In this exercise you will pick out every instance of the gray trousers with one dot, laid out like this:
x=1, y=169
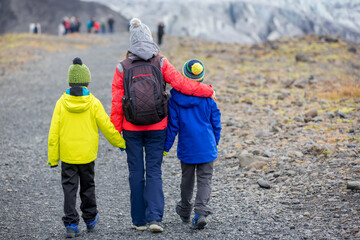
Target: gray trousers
x=203, y=173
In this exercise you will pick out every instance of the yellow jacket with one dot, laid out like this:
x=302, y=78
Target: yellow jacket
x=74, y=135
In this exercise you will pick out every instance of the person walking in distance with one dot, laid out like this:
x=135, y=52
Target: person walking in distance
x=160, y=32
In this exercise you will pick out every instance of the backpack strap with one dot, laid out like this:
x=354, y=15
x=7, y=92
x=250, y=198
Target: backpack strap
x=156, y=61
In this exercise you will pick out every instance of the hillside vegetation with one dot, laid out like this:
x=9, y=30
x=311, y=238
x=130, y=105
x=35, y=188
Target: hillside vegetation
x=309, y=81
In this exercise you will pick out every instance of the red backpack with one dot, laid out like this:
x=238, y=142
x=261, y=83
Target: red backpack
x=145, y=99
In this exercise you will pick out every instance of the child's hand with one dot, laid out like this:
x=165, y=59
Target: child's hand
x=213, y=97
x=165, y=153
x=52, y=166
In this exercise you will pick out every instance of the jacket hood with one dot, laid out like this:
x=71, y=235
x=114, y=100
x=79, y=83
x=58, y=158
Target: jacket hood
x=77, y=104
x=185, y=101
x=144, y=49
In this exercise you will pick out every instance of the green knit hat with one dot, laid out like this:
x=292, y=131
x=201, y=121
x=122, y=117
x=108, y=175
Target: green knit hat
x=78, y=72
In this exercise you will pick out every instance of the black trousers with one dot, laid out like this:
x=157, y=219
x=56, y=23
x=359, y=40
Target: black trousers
x=70, y=176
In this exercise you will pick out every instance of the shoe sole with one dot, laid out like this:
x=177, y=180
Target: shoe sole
x=156, y=228
x=183, y=219
x=92, y=228
x=200, y=225
x=139, y=228
x=71, y=235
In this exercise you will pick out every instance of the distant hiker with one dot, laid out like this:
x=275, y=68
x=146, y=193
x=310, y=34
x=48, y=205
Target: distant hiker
x=77, y=25
x=111, y=22
x=73, y=24
x=67, y=25
x=89, y=25
x=141, y=115
x=103, y=26
x=96, y=27
x=74, y=139
x=35, y=28
x=61, y=29
x=160, y=32
x=198, y=123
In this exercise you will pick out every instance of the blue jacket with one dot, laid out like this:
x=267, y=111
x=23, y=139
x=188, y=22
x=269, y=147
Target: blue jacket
x=198, y=122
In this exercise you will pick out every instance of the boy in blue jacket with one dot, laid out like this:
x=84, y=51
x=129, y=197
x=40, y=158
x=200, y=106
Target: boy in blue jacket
x=198, y=122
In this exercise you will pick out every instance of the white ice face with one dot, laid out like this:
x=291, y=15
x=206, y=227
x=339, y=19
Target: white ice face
x=246, y=21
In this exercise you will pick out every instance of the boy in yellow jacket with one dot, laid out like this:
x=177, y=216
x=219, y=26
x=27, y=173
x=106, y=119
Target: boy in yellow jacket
x=74, y=138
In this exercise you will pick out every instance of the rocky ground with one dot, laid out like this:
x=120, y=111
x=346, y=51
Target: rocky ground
x=288, y=155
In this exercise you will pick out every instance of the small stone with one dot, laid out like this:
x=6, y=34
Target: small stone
x=9, y=190
x=259, y=134
x=300, y=57
x=291, y=173
x=230, y=155
x=298, y=154
x=354, y=185
x=312, y=113
x=306, y=214
x=264, y=184
x=267, y=154
x=341, y=114
x=257, y=165
x=352, y=49
x=296, y=201
x=248, y=102
x=276, y=175
x=244, y=152
x=351, y=145
x=256, y=152
x=246, y=159
x=230, y=122
x=281, y=179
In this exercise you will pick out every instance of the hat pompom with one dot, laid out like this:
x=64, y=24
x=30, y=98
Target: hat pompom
x=77, y=61
x=197, y=68
x=135, y=22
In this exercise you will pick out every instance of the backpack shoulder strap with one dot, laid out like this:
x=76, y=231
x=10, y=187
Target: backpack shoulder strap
x=126, y=63
x=156, y=61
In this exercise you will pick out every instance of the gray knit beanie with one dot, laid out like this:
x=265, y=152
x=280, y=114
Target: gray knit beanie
x=139, y=31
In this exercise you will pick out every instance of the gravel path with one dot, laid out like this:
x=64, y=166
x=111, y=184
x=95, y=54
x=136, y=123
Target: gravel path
x=305, y=204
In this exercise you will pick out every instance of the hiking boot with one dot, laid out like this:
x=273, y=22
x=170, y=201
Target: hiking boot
x=72, y=231
x=198, y=222
x=184, y=219
x=155, y=227
x=91, y=225
x=139, y=228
